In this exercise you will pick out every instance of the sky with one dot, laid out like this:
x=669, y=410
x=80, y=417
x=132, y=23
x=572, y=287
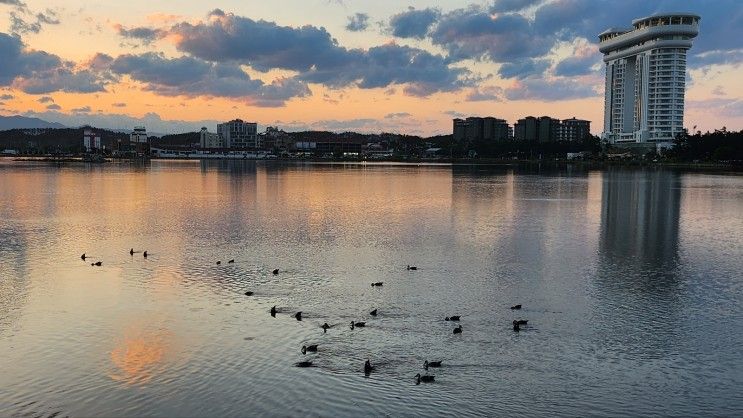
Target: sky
x=362, y=65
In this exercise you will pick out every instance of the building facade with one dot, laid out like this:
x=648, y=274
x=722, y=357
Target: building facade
x=239, y=134
x=477, y=129
x=646, y=78
x=574, y=129
x=209, y=140
x=91, y=140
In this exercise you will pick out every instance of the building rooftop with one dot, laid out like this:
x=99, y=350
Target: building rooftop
x=672, y=14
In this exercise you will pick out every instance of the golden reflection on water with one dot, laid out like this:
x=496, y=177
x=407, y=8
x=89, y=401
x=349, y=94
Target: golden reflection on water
x=141, y=354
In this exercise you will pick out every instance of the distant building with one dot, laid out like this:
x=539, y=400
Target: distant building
x=546, y=129
x=526, y=129
x=646, y=78
x=138, y=139
x=477, y=128
x=275, y=138
x=91, y=140
x=239, y=134
x=460, y=129
x=209, y=140
x=574, y=129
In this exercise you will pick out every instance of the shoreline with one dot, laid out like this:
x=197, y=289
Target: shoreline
x=447, y=161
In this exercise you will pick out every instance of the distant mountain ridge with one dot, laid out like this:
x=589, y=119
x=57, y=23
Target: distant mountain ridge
x=22, y=122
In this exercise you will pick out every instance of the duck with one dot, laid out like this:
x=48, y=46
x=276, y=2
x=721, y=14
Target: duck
x=516, y=326
x=325, y=327
x=97, y=263
x=83, y=257
x=131, y=252
x=249, y=293
x=514, y=307
x=144, y=254
x=311, y=348
x=219, y=262
x=273, y=311
x=275, y=271
x=303, y=364
x=523, y=321
x=425, y=379
x=412, y=267
x=457, y=330
x=357, y=324
x=428, y=364
x=373, y=313
x=231, y=261
x=298, y=315
x=368, y=367
x=452, y=318
x=377, y=284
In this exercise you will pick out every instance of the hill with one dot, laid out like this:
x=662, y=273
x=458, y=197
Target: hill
x=22, y=122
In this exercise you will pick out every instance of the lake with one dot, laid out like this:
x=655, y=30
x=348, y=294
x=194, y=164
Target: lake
x=631, y=281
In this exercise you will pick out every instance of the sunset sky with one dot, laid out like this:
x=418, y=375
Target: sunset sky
x=363, y=65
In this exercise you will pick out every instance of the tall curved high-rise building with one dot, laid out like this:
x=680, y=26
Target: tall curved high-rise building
x=646, y=78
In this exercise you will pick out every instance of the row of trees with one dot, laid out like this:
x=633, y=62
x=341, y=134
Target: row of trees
x=718, y=146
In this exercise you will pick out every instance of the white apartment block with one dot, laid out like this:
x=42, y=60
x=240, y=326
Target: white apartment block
x=646, y=78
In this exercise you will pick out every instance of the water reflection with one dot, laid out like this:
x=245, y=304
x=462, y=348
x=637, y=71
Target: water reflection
x=640, y=216
x=141, y=354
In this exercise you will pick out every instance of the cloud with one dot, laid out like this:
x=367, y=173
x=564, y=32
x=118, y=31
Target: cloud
x=46, y=99
x=506, y=6
x=13, y=3
x=523, y=68
x=53, y=106
x=397, y=115
x=38, y=72
x=189, y=76
x=732, y=108
x=549, y=90
x=358, y=22
x=6, y=97
x=118, y=104
x=84, y=109
x=487, y=93
x=413, y=23
x=715, y=57
x=315, y=55
x=475, y=34
x=20, y=24
x=454, y=113
x=144, y=34
x=575, y=66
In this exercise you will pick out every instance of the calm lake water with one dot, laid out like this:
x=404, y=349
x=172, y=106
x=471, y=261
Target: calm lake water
x=632, y=282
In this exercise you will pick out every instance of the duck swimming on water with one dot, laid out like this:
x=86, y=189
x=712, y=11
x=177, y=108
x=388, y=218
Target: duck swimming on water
x=428, y=364
x=516, y=326
x=452, y=318
x=425, y=379
x=412, y=267
x=275, y=271
x=83, y=257
x=298, y=315
x=303, y=364
x=516, y=307
x=273, y=311
x=144, y=254
x=311, y=348
x=231, y=261
x=368, y=367
x=249, y=293
x=457, y=330
x=97, y=263
x=357, y=324
x=373, y=313
x=377, y=284
x=131, y=252
x=325, y=327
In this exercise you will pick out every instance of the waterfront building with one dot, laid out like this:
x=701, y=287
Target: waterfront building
x=477, y=128
x=239, y=134
x=209, y=140
x=138, y=139
x=91, y=140
x=526, y=129
x=460, y=129
x=574, y=129
x=646, y=78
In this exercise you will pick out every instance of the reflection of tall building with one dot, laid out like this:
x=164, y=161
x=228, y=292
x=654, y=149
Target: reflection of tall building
x=640, y=215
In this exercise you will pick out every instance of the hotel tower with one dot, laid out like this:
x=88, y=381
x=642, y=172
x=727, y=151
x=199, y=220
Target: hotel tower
x=646, y=77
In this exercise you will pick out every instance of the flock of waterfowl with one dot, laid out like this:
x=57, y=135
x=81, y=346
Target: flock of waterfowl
x=368, y=368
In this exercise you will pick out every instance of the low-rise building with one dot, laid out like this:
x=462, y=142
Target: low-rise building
x=239, y=134
x=208, y=140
